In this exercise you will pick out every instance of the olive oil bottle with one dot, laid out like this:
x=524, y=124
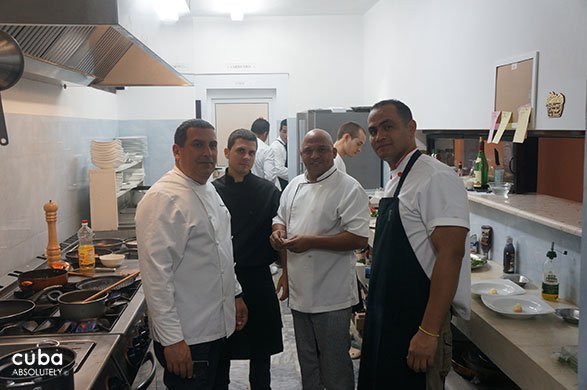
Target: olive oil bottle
x=550, y=279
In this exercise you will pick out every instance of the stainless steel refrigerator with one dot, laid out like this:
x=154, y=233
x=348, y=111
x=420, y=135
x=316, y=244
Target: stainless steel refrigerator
x=366, y=167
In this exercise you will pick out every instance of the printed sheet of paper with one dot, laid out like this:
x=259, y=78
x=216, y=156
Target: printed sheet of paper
x=523, y=120
x=494, y=117
x=505, y=119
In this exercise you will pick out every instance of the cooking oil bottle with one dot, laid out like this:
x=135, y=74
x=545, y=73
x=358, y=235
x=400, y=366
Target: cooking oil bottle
x=86, y=252
x=550, y=280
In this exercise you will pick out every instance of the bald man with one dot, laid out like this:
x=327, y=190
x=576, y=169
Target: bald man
x=322, y=218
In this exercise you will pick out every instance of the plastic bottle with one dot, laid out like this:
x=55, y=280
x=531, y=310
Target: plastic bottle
x=481, y=168
x=86, y=252
x=550, y=281
x=509, y=256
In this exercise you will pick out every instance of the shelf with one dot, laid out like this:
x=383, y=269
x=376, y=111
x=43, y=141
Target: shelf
x=128, y=165
x=133, y=184
x=560, y=214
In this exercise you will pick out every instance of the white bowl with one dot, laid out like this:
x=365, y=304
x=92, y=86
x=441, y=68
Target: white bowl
x=112, y=260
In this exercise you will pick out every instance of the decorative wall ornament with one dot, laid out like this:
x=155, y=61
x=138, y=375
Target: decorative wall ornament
x=555, y=104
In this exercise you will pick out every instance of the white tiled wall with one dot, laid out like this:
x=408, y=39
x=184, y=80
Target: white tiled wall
x=532, y=241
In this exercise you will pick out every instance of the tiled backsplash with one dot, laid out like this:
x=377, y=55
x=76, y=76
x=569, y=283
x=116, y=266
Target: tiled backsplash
x=48, y=159
x=532, y=241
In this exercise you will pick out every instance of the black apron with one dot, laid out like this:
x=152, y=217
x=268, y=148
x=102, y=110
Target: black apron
x=398, y=294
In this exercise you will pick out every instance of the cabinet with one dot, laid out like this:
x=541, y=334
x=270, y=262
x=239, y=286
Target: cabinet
x=108, y=188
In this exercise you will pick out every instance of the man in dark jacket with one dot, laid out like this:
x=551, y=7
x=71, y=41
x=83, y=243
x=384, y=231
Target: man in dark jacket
x=252, y=202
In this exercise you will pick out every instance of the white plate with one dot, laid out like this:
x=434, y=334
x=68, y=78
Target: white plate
x=502, y=287
x=531, y=305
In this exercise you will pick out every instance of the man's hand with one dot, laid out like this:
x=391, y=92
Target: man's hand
x=283, y=286
x=277, y=238
x=242, y=313
x=179, y=359
x=421, y=352
x=298, y=244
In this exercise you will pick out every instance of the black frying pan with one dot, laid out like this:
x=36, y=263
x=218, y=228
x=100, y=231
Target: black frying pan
x=11, y=68
x=14, y=309
x=101, y=282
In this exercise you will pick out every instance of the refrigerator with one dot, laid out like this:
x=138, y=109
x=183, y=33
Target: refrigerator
x=366, y=167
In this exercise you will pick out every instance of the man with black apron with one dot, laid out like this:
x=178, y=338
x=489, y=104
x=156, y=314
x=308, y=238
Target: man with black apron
x=419, y=267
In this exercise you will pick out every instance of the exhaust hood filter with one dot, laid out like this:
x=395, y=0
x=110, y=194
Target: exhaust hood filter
x=85, y=43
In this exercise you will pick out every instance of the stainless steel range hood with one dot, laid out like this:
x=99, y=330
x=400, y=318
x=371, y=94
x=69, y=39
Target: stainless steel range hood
x=89, y=42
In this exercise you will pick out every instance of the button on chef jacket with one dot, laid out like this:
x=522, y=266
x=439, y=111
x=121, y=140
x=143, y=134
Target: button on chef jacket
x=186, y=261
x=323, y=280
x=433, y=195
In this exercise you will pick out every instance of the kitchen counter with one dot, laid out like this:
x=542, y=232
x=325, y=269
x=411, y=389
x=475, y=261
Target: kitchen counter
x=522, y=349
x=557, y=213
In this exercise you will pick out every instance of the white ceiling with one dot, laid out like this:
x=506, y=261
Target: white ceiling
x=281, y=7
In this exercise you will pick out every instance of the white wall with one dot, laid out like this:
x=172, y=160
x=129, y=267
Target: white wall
x=321, y=54
x=440, y=56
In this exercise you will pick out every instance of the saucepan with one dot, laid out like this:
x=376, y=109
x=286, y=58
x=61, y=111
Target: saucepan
x=11, y=68
x=72, y=308
x=14, y=309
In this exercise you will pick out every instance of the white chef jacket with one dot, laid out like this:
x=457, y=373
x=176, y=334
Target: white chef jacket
x=264, y=166
x=323, y=280
x=280, y=153
x=186, y=261
x=433, y=195
x=339, y=163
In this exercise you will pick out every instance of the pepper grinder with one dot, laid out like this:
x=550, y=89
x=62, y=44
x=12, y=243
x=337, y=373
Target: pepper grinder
x=53, y=251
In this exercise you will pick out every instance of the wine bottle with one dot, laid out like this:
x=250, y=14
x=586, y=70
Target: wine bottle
x=481, y=168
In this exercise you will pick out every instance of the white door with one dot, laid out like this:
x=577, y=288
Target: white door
x=229, y=116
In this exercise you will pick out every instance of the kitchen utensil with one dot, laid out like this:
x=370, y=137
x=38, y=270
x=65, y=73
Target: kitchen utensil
x=518, y=279
x=502, y=189
x=53, y=250
x=496, y=155
x=38, y=375
x=131, y=243
x=568, y=314
x=126, y=278
x=72, y=305
x=113, y=260
x=13, y=309
x=101, y=282
x=497, y=287
x=530, y=305
x=11, y=69
x=40, y=278
x=112, y=244
x=73, y=254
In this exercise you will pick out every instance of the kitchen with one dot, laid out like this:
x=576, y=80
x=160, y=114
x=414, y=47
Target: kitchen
x=448, y=52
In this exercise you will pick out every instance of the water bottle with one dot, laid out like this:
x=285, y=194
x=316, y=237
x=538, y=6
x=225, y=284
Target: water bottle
x=86, y=253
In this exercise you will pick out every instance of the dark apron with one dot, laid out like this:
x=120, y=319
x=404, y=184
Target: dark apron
x=398, y=294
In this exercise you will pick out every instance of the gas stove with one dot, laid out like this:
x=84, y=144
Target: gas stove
x=110, y=349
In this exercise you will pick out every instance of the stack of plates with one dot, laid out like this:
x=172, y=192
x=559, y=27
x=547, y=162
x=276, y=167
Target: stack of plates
x=135, y=145
x=107, y=154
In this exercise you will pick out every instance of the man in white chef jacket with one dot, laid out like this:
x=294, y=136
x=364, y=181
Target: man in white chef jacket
x=350, y=139
x=279, y=147
x=264, y=166
x=186, y=263
x=322, y=218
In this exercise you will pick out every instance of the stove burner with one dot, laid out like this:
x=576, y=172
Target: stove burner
x=45, y=318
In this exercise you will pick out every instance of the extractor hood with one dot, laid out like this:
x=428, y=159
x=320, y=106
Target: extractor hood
x=89, y=42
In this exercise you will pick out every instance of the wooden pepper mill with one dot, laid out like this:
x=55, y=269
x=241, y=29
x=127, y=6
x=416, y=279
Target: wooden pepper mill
x=53, y=250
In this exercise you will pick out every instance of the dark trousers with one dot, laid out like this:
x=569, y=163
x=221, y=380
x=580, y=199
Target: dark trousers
x=205, y=357
x=259, y=373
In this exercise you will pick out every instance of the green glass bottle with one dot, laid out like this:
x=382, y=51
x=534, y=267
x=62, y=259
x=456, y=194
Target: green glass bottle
x=481, y=168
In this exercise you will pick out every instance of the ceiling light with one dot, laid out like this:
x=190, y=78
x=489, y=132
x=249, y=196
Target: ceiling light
x=171, y=10
x=237, y=15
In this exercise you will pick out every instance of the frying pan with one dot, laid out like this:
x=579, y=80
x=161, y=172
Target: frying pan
x=38, y=279
x=101, y=282
x=11, y=68
x=112, y=244
x=73, y=255
x=13, y=309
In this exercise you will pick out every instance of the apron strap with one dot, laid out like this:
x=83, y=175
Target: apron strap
x=413, y=159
